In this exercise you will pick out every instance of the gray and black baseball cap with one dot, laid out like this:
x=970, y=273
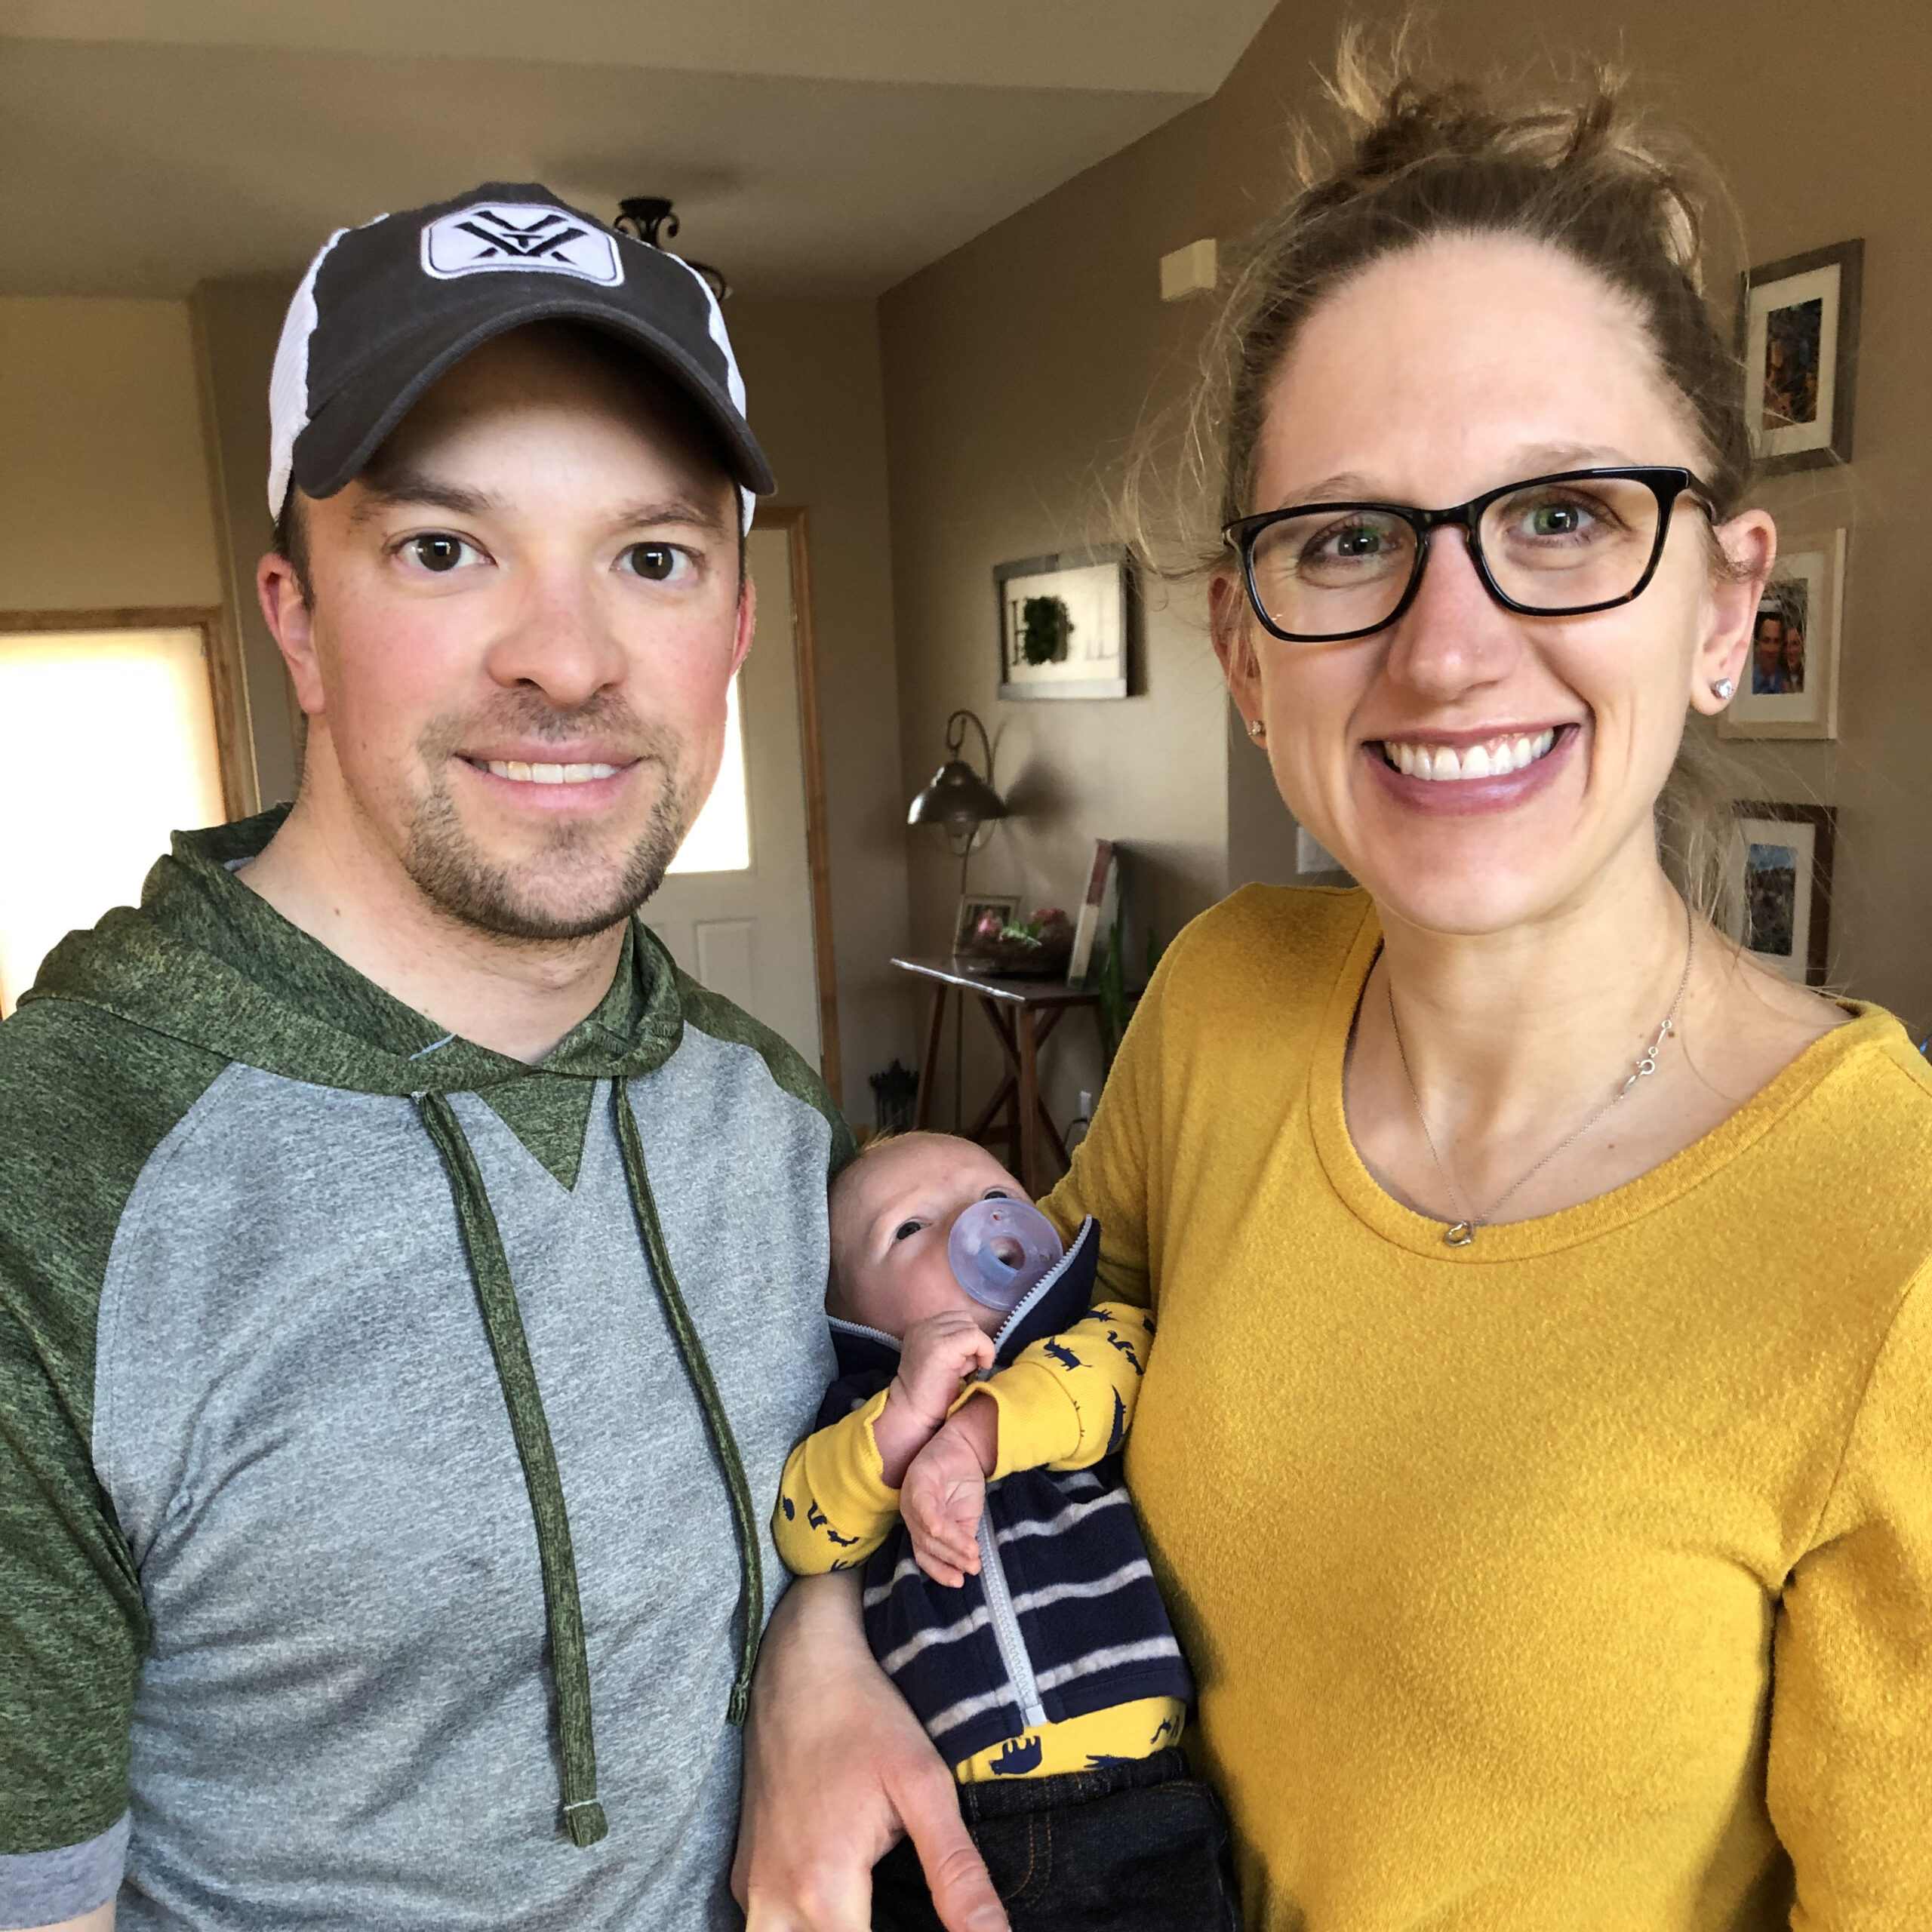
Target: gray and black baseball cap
x=387, y=308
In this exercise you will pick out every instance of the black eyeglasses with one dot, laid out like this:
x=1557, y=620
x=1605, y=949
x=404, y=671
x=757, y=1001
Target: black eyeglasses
x=1552, y=546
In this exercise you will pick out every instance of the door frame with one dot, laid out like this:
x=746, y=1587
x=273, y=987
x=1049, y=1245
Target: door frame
x=234, y=745
x=793, y=519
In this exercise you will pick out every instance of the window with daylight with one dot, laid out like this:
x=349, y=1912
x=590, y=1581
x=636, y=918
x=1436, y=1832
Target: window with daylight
x=721, y=841
x=108, y=743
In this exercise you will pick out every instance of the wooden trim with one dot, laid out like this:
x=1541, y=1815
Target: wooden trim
x=818, y=848
x=227, y=692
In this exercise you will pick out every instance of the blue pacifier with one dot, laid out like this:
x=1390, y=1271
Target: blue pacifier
x=1001, y=1251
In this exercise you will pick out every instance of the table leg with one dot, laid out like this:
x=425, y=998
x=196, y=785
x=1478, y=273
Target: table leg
x=1029, y=1101
x=922, y=1108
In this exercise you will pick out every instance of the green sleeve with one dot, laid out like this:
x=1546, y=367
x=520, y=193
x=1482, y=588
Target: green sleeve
x=85, y=1099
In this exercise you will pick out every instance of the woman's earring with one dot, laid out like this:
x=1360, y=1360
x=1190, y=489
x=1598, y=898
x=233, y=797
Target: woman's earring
x=1722, y=690
x=1257, y=729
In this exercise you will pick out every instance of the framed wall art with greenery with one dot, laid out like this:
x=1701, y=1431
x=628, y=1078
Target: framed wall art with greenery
x=1065, y=624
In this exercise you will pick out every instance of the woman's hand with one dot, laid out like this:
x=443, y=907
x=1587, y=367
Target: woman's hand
x=836, y=1769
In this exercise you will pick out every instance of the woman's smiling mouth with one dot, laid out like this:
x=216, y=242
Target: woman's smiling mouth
x=1495, y=758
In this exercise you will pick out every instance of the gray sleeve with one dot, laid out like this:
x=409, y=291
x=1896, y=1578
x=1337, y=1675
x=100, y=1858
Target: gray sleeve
x=44, y=1888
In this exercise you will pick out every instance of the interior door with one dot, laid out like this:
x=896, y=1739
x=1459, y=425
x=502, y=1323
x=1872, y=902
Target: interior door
x=737, y=908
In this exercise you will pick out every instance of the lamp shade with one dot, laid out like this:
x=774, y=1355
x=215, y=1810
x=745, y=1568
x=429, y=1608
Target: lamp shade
x=958, y=798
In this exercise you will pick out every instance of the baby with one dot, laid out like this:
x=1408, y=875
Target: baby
x=1007, y=1590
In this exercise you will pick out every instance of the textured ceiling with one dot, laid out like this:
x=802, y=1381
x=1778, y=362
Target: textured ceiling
x=828, y=148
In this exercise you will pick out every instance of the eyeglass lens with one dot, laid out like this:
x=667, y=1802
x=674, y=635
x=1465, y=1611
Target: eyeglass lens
x=1550, y=547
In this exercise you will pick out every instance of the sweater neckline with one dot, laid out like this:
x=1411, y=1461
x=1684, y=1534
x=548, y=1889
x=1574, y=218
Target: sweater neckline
x=1569, y=1227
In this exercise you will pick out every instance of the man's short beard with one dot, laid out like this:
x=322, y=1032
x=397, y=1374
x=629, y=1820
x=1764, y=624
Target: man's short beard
x=443, y=860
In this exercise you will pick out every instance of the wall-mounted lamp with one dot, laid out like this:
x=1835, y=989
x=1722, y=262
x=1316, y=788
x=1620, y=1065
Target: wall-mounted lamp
x=959, y=800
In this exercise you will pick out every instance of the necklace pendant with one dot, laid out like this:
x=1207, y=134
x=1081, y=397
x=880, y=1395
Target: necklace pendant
x=1460, y=1236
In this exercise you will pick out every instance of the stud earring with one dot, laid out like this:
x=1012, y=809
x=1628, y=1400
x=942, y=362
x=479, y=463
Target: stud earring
x=1257, y=729
x=1722, y=690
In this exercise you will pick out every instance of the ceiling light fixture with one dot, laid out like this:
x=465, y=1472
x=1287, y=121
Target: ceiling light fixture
x=649, y=218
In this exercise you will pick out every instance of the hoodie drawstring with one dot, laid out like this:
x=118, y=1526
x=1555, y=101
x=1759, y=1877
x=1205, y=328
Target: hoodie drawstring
x=503, y=1322
x=496, y=1295
x=751, y=1565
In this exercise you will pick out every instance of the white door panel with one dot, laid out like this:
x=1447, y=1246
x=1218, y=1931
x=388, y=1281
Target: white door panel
x=746, y=931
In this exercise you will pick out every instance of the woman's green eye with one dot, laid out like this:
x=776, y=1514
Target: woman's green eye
x=1560, y=520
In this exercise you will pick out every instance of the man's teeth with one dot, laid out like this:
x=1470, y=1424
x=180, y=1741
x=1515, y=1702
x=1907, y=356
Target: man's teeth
x=1497, y=759
x=515, y=770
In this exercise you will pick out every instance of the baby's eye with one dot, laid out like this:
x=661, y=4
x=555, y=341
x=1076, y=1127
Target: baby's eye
x=996, y=1194
x=906, y=1230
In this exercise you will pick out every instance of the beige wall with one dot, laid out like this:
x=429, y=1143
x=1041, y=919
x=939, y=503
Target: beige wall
x=237, y=324
x=1018, y=366
x=812, y=381
x=103, y=494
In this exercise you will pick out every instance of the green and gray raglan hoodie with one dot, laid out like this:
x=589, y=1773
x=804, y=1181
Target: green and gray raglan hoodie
x=387, y=1432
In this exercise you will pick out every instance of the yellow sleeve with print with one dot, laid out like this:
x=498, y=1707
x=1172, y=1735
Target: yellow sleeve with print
x=834, y=1508
x=1068, y=1399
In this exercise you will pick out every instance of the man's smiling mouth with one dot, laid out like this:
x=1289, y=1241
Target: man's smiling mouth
x=518, y=773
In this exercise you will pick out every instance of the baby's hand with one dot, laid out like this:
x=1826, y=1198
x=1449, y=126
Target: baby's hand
x=936, y=1355
x=944, y=1492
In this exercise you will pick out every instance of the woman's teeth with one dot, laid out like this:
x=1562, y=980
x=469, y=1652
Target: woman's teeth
x=1497, y=759
x=518, y=773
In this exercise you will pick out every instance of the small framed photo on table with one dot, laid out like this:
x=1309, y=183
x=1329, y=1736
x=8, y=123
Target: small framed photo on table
x=1790, y=685
x=974, y=910
x=1783, y=854
x=1064, y=624
x=1798, y=323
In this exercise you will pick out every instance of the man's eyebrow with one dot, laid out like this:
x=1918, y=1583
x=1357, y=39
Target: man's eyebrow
x=673, y=509
x=409, y=486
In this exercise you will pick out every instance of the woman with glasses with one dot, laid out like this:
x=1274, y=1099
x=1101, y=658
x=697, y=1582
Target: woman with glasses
x=1536, y=1446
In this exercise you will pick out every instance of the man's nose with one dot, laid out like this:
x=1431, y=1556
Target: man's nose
x=559, y=641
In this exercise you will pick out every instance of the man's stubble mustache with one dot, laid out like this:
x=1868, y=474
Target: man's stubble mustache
x=443, y=860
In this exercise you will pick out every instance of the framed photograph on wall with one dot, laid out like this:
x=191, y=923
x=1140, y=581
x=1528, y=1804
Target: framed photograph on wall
x=1790, y=685
x=1783, y=855
x=1064, y=624
x=975, y=908
x=1798, y=329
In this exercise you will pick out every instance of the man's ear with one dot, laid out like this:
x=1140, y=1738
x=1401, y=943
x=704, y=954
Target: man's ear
x=747, y=618
x=285, y=609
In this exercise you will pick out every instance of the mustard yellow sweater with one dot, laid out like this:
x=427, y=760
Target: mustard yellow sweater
x=1579, y=1579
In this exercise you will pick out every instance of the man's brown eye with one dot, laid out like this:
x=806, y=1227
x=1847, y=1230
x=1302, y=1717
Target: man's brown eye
x=656, y=561
x=438, y=553
x=906, y=1229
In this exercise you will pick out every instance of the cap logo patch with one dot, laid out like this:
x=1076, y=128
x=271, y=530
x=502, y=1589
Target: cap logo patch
x=490, y=235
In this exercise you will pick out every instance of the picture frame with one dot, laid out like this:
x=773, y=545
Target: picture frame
x=1797, y=333
x=1094, y=923
x=974, y=907
x=1066, y=623
x=1789, y=685
x=1783, y=858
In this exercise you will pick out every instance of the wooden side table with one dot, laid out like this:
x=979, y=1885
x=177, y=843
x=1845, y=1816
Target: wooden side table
x=1023, y=1013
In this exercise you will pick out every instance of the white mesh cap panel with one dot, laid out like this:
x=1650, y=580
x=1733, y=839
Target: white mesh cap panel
x=734, y=381
x=288, y=382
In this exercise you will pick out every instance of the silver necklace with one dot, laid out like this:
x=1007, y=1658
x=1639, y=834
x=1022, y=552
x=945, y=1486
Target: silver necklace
x=1460, y=1233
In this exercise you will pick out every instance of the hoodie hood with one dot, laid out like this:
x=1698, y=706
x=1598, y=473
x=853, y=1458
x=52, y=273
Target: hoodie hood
x=205, y=960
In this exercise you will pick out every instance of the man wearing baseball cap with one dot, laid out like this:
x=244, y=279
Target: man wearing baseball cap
x=410, y=1283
